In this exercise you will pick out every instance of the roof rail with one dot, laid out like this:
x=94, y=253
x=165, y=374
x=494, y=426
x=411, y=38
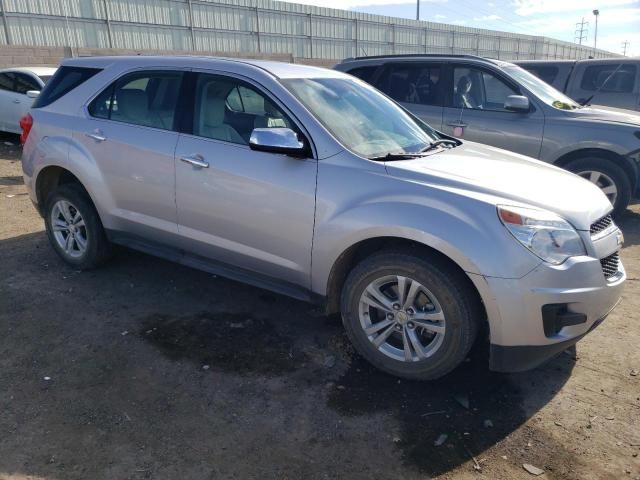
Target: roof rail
x=418, y=55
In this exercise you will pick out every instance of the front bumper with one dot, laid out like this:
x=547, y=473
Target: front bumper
x=518, y=337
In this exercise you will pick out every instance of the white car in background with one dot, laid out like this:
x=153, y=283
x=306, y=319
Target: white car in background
x=19, y=86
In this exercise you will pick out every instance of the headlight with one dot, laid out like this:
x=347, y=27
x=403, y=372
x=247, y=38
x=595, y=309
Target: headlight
x=546, y=234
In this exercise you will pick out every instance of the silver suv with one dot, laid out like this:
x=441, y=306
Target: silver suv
x=500, y=104
x=311, y=183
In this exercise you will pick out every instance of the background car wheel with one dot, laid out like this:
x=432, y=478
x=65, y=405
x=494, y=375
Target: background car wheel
x=608, y=176
x=74, y=228
x=411, y=317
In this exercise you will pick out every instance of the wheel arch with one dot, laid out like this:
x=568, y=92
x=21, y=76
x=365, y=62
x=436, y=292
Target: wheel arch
x=627, y=165
x=49, y=178
x=357, y=252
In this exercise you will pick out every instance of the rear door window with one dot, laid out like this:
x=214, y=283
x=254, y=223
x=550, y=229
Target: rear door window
x=147, y=98
x=610, y=78
x=415, y=83
x=25, y=82
x=364, y=73
x=6, y=82
x=65, y=80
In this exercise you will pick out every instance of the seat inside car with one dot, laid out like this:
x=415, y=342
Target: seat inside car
x=212, y=116
x=133, y=106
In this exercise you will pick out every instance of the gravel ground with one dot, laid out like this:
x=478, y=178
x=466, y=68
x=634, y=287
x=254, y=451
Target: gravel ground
x=149, y=370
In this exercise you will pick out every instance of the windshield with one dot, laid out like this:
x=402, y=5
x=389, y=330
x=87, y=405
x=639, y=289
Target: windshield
x=542, y=90
x=361, y=118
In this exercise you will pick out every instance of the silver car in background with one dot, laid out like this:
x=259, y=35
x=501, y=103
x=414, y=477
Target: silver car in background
x=500, y=104
x=311, y=183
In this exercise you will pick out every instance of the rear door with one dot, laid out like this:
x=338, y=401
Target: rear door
x=239, y=207
x=475, y=111
x=418, y=86
x=611, y=84
x=129, y=132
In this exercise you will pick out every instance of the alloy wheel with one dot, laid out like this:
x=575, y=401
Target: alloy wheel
x=603, y=181
x=402, y=318
x=69, y=229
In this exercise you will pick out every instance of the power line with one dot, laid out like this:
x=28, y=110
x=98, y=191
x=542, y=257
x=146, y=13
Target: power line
x=581, y=32
x=625, y=44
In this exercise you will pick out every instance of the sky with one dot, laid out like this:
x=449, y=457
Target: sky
x=619, y=20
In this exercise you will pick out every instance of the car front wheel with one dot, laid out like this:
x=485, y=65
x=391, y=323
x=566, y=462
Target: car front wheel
x=412, y=317
x=606, y=175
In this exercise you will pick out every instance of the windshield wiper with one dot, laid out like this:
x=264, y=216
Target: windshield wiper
x=396, y=156
x=440, y=141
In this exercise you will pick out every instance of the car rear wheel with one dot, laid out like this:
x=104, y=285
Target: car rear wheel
x=74, y=228
x=410, y=317
x=606, y=175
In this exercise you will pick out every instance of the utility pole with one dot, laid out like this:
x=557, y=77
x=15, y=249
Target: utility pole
x=625, y=44
x=417, y=9
x=582, y=30
x=595, y=36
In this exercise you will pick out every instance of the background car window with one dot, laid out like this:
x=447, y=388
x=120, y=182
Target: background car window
x=146, y=98
x=228, y=110
x=364, y=73
x=24, y=83
x=480, y=90
x=609, y=78
x=6, y=82
x=412, y=83
x=545, y=73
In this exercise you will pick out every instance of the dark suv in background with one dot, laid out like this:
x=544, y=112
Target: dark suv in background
x=500, y=104
x=614, y=82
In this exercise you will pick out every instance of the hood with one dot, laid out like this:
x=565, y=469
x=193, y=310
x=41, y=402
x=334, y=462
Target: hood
x=607, y=114
x=510, y=178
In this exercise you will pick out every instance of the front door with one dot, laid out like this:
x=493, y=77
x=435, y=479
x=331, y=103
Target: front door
x=239, y=207
x=130, y=135
x=476, y=112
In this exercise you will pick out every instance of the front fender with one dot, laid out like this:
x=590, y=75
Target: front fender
x=465, y=229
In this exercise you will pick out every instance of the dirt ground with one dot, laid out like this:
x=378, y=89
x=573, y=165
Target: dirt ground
x=149, y=370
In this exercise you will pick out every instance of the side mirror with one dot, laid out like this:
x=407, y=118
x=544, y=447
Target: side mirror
x=33, y=93
x=277, y=140
x=517, y=103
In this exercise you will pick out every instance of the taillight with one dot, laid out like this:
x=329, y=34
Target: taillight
x=26, y=122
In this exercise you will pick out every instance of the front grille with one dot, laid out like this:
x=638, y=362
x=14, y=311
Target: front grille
x=602, y=224
x=610, y=265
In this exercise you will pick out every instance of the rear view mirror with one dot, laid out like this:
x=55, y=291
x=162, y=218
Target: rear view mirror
x=33, y=93
x=277, y=140
x=517, y=103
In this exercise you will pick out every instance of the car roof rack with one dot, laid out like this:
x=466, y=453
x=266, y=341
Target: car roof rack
x=420, y=55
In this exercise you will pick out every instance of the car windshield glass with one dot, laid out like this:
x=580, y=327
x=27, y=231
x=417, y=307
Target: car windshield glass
x=540, y=89
x=361, y=118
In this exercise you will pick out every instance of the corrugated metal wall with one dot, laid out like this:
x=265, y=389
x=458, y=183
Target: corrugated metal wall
x=263, y=26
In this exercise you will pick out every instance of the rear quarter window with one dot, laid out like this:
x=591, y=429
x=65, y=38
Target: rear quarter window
x=64, y=81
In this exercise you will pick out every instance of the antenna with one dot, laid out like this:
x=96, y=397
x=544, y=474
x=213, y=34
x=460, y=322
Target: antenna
x=625, y=44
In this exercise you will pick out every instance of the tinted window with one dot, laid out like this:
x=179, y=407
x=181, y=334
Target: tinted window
x=547, y=73
x=45, y=78
x=479, y=89
x=24, y=83
x=609, y=78
x=412, y=83
x=364, y=73
x=6, y=81
x=144, y=98
x=64, y=80
x=228, y=110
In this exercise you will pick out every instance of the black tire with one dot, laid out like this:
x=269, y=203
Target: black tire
x=460, y=304
x=611, y=170
x=98, y=248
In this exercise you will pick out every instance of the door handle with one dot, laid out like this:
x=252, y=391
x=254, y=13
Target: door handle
x=195, y=160
x=15, y=100
x=96, y=136
x=457, y=124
